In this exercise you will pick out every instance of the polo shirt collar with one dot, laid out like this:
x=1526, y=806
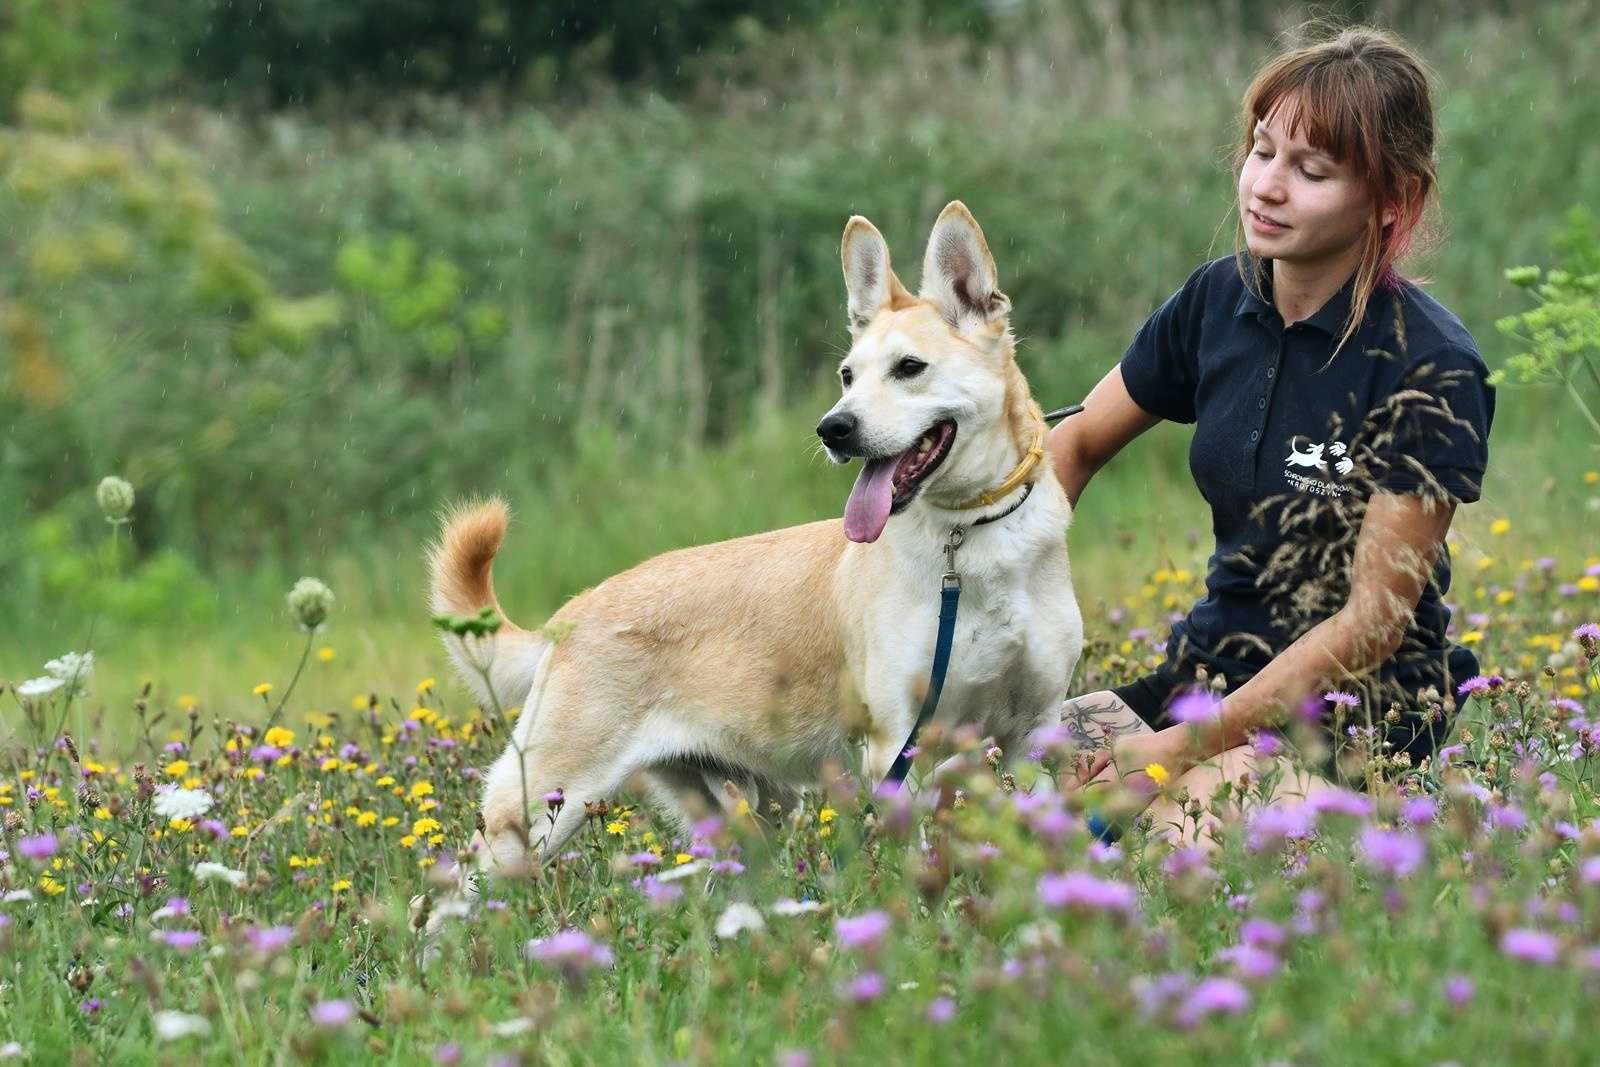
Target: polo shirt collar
x=1329, y=318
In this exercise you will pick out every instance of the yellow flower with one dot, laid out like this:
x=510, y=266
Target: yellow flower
x=407, y=841
x=436, y=839
x=239, y=831
x=341, y=885
x=387, y=779
x=1158, y=774
x=825, y=815
x=177, y=768
x=93, y=767
x=279, y=737
x=1589, y=584
x=427, y=805
x=359, y=702
x=1591, y=477
x=681, y=858
x=325, y=654
x=366, y=818
x=744, y=807
x=51, y=886
x=187, y=701
x=425, y=686
x=391, y=820
x=424, y=826
x=1500, y=526
x=617, y=827
x=331, y=763
x=1471, y=637
x=181, y=825
x=1485, y=562
x=102, y=813
x=262, y=690
x=1504, y=596
x=421, y=789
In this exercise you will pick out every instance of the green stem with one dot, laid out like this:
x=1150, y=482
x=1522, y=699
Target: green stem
x=1577, y=398
x=305, y=654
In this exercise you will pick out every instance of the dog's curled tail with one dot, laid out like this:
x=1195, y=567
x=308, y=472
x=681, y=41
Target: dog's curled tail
x=460, y=582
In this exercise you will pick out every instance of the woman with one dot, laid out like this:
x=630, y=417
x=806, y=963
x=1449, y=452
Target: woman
x=1340, y=416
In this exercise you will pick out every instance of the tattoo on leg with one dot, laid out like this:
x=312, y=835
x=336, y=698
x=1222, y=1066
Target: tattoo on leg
x=1096, y=720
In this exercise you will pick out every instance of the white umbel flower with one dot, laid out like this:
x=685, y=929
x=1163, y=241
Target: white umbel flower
x=39, y=687
x=177, y=1025
x=682, y=870
x=795, y=907
x=71, y=667
x=737, y=918
x=207, y=871
x=182, y=803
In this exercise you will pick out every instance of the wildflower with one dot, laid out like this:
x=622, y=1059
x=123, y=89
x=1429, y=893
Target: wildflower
x=115, y=498
x=177, y=1025
x=1588, y=633
x=279, y=737
x=177, y=768
x=787, y=906
x=1395, y=852
x=1196, y=706
x=864, y=931
x=940, y=1011
x=39, y=687
x=1213, y=996
x=866, y=987
x=688, y=867
x=421, y=789
x=178, y=803
x=424, y=826
x=1158, y=774
x=179, y=940
x=341, y=885
x=645, y=859
x=261, y=690
x=172, y=909
x=737, y=918
x=1459, y=989
x=1341, y=802
x=1479, y=683
x=1251, y=961
x=37, y=848
x=1530, y=946
x=269, y=940
x=425, y=686
x=309, y=602
x=1343, y=699
x=206, y=871
x=1078, y=889
x=73, y=668
x=1280, y=822
x=333, y=1014
x=1500, y=527
x=1418, y=810
x=571, y=950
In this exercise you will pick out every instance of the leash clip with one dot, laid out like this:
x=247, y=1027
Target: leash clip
x=951, y=579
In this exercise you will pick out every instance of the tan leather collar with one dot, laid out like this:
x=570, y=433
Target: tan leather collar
x=1018, y=475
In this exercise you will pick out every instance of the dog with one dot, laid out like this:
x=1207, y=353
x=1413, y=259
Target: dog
x=743, y=667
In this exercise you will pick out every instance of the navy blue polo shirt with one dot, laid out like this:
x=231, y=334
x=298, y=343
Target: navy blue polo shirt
x=1292, y=438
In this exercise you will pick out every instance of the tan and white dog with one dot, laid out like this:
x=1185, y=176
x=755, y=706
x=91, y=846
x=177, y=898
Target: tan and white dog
x=757, y=660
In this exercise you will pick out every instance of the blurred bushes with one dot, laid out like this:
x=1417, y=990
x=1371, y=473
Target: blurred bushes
x=297, y=338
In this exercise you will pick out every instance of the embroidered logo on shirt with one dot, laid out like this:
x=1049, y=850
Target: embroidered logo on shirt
x=1326, y=457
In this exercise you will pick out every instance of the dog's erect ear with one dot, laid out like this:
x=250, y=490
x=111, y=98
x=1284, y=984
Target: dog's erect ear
x=869, y=282
x=958, y=275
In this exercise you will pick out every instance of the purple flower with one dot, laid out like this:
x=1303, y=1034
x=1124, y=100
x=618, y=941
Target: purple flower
x=449, y=1054
x=180, y=940
x=555, y=798
x=940, y=1011
x=91, y=1006
x=1266, y=744
x=1262, y=933
x=1184, y=861
x=1507, y=817
x=1459, y=989
x=265, y=753
x=37, y=848
x=660, y=893
x=269, y=940
x=727, y=867
x=1589, y=870
x=1213, y=996
x=862, y=931
x=1196, y=706
x=1280, y=822
x=1480, y=683
x=1418, y=810
x=1253, y=963
x=571, y=950
x=1395, y=852
x=1341, y=802
x=866, y=987
x=1589, y=631
x=1530, y=946
x=333, y=1014
x=1079, y=889
x=645, y=859
x=1343, y=699
x=794, y=1057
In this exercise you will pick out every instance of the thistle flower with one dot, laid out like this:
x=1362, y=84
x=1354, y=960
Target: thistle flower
x=1079, y=889
x=571, y=950
x=1531, y=946
x=864, y=932
x=1213, y=996
x=115, y=498
x=309, y=602
x=37, y=848
x=1394, y=852
x=1343, y=699
x=866, y=987
x=1196, y=706
x=333, y=1014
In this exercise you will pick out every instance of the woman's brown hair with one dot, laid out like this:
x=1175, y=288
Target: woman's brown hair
x=1365, y=98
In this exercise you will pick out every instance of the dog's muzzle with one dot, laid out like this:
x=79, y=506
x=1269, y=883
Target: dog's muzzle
x=838, y=431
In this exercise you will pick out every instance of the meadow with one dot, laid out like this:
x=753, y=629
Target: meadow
x=226, y=826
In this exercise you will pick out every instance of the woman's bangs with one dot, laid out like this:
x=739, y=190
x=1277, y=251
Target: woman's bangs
x=1319, y=105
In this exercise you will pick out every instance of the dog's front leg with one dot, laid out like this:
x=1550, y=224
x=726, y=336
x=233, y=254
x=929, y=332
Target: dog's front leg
x=886, y=740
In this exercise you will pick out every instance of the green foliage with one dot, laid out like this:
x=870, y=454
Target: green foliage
x=1562, y=333
x=100, y=580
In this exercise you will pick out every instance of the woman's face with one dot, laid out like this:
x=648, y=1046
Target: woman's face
x=1297, y=203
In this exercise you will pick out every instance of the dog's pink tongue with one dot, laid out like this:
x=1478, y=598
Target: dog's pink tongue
x=867, y=510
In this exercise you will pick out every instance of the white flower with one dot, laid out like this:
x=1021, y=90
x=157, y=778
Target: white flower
x=73, y=667
x=795, y=907
x=18, y=896
x=38, y=687
x=176, y=1025
x=737, y=918
x=11, y=1050
x=512, y=1027
x=207, y=871
x=178, y=803
x=683, y=870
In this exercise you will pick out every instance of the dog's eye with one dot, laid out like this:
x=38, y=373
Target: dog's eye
x=909, y=367
x=844, y=377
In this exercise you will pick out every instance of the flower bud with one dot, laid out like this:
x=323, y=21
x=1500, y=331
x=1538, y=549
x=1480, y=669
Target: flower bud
x=115, y=497
x=309, y=602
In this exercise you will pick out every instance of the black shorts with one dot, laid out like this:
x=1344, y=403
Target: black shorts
x=1151, y=695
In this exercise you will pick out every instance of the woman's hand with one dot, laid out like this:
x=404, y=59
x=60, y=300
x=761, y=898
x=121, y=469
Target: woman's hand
x=1133, y=763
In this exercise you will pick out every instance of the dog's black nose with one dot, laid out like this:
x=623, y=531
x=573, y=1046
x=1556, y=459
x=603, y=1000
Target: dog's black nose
x=837, y=430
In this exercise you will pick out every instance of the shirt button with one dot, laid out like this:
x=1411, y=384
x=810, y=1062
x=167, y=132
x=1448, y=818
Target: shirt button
x=1254, y=435
x=1271, y=371
x=1261, y=402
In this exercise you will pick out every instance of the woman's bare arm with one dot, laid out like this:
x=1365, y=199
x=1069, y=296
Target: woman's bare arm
x=1081, y=444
